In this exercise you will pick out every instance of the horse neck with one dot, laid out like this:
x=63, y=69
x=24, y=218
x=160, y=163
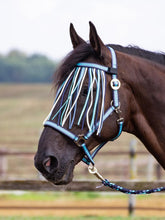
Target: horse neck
x=146, y=83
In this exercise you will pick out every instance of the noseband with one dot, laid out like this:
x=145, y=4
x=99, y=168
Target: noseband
x=80, y=140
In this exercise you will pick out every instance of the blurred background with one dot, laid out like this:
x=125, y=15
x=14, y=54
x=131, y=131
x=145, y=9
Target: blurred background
x=34, y=39
x=42, y=26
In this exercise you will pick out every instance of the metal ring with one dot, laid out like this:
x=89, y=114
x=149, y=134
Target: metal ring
x=80, y=141
x=116, y=108
x=115, y=84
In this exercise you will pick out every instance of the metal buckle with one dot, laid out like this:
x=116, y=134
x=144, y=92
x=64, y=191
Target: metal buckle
x=118, y=112
x=117, y=109
x=115, y=84
x=80, y=141
x=120, y=120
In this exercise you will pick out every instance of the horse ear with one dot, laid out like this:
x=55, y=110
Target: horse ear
x=75, y=38
x=95, y=40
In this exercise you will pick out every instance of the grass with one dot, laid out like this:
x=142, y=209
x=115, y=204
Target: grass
x=52, y=196
x=57, y=199
x=22, y=109
x=70, y=196
x=79, y=218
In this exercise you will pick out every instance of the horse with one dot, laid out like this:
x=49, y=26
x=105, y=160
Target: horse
x=101, y=91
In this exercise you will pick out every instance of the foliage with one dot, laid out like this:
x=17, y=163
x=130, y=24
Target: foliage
x=17, y=67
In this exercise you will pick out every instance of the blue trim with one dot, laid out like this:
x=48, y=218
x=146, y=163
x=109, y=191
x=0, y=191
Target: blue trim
x=110, y=70
x=114, y=60
x=87, y=153
x=87, y=99
x=108, y=113
x=119, y=132
x=61, y=129
x=93, y=65
x=86, y=161
x=97, y=149
x=115, y=95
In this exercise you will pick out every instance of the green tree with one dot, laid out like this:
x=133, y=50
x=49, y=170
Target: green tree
x=18, y=67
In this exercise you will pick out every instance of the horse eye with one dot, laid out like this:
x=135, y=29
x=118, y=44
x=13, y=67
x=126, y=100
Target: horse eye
x=85, y=91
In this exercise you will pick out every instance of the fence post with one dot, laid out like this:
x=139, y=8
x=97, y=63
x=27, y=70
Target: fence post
x=133, y=174
x=150, y=168
x=3, y=163
x=158, y=172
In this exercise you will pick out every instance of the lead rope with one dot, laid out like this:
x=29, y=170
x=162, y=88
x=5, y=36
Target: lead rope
x=105, y=182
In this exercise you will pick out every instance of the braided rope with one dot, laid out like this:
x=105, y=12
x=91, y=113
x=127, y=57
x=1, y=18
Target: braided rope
x=105, y=182
x=130, y=191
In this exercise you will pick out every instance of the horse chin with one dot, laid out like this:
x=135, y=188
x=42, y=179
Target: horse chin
x=65, y=177
x=64, y=181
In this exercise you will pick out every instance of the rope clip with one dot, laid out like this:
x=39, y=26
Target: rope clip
x=93, y=170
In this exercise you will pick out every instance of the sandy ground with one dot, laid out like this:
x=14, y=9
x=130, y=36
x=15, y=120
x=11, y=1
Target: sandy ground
x=95, y=207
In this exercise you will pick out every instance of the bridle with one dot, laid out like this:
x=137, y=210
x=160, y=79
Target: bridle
x=80, y=140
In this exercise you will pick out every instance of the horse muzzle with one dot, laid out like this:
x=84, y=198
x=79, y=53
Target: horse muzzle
x=54, y=171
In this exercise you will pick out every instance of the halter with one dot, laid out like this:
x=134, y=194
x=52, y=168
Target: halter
x=80, y=71
x=67, y=111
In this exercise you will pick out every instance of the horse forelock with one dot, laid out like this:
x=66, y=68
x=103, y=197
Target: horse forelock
x=80, y=53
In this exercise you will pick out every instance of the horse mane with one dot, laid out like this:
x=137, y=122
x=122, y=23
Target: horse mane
x=85, y=50
x=157, y=57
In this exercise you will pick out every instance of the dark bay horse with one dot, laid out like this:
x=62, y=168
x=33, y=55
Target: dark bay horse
x=84, y=94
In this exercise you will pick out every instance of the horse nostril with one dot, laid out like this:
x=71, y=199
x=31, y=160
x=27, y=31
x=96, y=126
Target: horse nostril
x=50, y=164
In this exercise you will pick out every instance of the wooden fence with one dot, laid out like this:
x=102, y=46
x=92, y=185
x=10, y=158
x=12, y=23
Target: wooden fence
x=90, y=186
x=76, y=186
x=131, y=166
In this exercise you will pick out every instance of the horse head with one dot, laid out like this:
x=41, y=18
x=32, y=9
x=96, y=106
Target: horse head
x=85, y=93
